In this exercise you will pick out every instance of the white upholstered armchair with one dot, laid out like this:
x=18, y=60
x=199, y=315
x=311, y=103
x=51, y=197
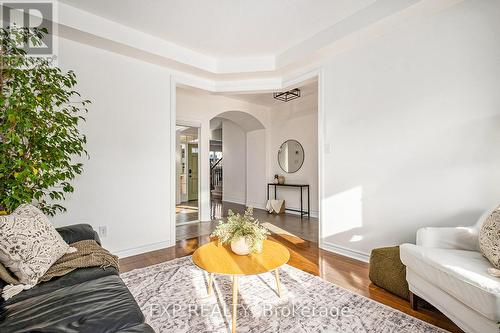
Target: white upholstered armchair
x=446, y=269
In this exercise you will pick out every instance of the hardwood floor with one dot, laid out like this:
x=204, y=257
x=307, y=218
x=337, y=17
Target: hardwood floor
x=305, y=228
x=186, y=212
x=300, y=237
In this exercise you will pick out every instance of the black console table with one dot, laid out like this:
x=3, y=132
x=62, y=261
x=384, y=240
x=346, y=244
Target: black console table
x=301, y=188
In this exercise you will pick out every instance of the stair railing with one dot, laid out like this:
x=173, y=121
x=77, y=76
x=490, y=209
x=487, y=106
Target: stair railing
x=216, y=174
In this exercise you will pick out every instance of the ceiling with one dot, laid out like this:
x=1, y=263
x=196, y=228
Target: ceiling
x=226, y=28
x=236, y=45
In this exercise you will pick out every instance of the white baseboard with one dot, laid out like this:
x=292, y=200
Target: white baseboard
x=143, y=249
x=238, y=201
x=256, y=205
x=354, y=254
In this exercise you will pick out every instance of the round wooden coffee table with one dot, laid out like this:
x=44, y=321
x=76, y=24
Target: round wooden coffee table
x=215, y=258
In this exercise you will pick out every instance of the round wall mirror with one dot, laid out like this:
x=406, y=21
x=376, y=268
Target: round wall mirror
x=291, y=156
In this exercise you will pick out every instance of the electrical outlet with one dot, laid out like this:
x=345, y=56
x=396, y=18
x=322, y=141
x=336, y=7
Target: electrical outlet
x=328, y=148
x=103, y=231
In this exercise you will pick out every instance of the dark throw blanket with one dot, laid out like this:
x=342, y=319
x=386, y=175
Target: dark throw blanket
x=88, y=254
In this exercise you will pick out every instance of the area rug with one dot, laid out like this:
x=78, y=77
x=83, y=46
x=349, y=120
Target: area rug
x=173, y=297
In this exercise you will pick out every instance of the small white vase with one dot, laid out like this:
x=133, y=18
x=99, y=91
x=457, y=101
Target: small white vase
x=240, y=246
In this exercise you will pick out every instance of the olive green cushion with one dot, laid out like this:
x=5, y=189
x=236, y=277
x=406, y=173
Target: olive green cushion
x=388, y=272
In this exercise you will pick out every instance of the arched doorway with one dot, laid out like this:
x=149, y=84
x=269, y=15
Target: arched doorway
x=237, y=160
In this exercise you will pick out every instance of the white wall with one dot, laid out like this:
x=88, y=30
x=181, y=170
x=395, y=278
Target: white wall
x=126, y=182
x=256, y=166
x=413, y=120
x=200, y=106
x=298, y=120
x=216, y=134
x=234, y=143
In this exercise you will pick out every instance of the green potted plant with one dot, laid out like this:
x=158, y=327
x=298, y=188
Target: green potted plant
x=243, y=232
x=40, y=137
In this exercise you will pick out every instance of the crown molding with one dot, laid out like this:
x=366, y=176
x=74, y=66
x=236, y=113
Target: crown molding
x=244, y=74
x=93, y=25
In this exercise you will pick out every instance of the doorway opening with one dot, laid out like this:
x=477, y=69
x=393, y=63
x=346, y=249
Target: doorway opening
x=187, y=175
x=241, y=135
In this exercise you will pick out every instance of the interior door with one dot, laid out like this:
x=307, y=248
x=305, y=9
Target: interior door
x=192, y=172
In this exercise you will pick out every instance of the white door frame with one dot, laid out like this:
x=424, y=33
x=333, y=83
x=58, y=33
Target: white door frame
x=173, y=150
x=293, y=80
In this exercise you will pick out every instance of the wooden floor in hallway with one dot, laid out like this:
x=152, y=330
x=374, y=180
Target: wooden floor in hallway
x=186, y=212
x=300, y=236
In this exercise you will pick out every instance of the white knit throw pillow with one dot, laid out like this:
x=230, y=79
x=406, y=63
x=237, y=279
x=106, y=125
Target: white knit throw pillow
x=29, y=245
x=489, y=238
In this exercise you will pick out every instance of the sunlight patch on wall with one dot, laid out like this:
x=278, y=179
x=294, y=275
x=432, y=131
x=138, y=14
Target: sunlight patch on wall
x=343, y=211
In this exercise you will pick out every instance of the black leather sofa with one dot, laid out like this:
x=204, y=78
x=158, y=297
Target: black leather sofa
x=92, y=300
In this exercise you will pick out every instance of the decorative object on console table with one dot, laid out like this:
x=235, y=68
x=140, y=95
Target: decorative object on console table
x=242, y=232
x=281, y=180
x=276, y=179
x=301, y=188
